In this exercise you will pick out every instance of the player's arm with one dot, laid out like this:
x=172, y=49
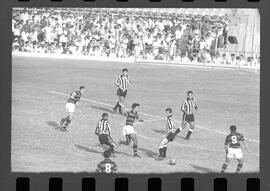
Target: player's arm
x=245, y=143
x=138, y=118
x=226, y=145
x=116, y=83
x=99, y=168
x=183, y=107
x=115, y=169
x=195, y=104
x=109, y=129
x=97, y=131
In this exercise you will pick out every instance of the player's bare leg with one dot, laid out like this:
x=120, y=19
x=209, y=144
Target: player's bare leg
x=239, y=166
x=225, y=165
x=117, y=105
x=121, y=104
x=126, y=142
x=190, y=131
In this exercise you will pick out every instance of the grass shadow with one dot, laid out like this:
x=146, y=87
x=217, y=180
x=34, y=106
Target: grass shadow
x=81, y=147
x=149, y=153
x=55, y=125
x=203, y=169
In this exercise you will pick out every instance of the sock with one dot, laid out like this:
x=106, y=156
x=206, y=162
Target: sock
x=135, y=149
x=160, y=152
x=189, y=133
x=178, y=130
x=67, y=122
x=117, y=105
x=164, y=152
x=239, y=166
x=224, y=167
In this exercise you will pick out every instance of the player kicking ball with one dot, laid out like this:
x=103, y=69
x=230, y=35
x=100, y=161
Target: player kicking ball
x=107, y=165
x=128, y=129
x=233, y=149
x=122, y=82
x=188, y=108
x=169, y=136
x=72, y=102
x=103, y=131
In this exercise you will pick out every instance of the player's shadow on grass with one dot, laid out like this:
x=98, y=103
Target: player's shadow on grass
x=203, y=169
x=163, y=132
x=54, y=124
x=149, y=153
x=102, y=109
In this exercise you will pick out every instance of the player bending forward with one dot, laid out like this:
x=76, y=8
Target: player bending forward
x=128, y=129
x=103, y=131
x=72, y=101
x=169, y=136
x=122, y=82
x=107, y=165
x=189, y=106
x=233, y=149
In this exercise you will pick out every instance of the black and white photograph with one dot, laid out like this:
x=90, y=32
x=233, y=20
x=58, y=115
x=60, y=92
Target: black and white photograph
x=135, y=90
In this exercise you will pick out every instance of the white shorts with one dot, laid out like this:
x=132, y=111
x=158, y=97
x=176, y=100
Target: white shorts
x=128, y=129
x=70, y=107
x=234, y=153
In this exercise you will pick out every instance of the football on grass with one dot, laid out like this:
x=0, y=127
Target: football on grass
x=172, y=161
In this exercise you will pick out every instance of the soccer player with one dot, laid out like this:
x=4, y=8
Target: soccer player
x=128, y=129
x=103, y=131
x=122, y=83
x=188, y=108
x=72, y=101
x=169, y=136
x=107, y=165
x=233, y=149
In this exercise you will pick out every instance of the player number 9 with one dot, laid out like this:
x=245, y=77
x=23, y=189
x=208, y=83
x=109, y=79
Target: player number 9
x=234, y=139
x=108, y=168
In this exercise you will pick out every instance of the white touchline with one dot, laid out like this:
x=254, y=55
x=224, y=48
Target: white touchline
x=154, y=116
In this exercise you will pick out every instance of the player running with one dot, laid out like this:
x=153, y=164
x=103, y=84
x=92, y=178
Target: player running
x=72, y=101
x=233, y=149
x=122, y=83
x=128, y=129
x=107, y=165
x=103, y=131
x=189, y=106
x=169, y=136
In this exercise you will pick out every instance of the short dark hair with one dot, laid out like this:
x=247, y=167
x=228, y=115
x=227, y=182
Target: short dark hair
x=82, y=87
x=104, y=115
x=233, y=128
x=169, y=109
x=106, y=154
x=135, y=105
x=189, y=92
x=125, y=70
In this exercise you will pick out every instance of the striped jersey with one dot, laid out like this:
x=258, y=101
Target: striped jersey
x=74, y=97
x=170, y=124
x=188, y=106
x=131, y=116
x=103, y=127
x=233, y=140
x=107, y=166
x=122, y=82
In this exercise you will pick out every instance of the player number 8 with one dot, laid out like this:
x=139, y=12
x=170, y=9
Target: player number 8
x=234, y=139
x=108, y=168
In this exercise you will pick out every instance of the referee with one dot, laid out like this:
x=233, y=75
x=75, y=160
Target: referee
x=188, y=108
x=122, y=83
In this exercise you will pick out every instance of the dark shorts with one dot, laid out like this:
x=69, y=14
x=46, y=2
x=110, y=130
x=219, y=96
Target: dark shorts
x=122, y=93
x=170, y=136
x=104, y=139
x=188, y=118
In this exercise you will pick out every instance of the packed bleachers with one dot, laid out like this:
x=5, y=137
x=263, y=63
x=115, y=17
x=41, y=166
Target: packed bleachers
x=150, y=34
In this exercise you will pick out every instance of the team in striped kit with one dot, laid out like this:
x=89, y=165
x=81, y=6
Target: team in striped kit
x=122, y=82
x=103, y=128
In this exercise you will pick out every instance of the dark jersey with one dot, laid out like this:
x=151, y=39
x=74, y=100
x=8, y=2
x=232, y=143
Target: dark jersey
x=131, y=116
x=233, y=140
x=103, y=127
x=107, y=166
x=74, y=97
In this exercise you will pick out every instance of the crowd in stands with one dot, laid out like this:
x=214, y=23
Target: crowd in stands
x=114, y=34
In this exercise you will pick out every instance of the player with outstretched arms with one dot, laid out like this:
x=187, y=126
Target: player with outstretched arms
x=233, y=149
x=128, y=129
x=169, y=136
x=103, y=131
x=107, y=165
x=122, y=82
x=188, y=108
x=72, y=102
